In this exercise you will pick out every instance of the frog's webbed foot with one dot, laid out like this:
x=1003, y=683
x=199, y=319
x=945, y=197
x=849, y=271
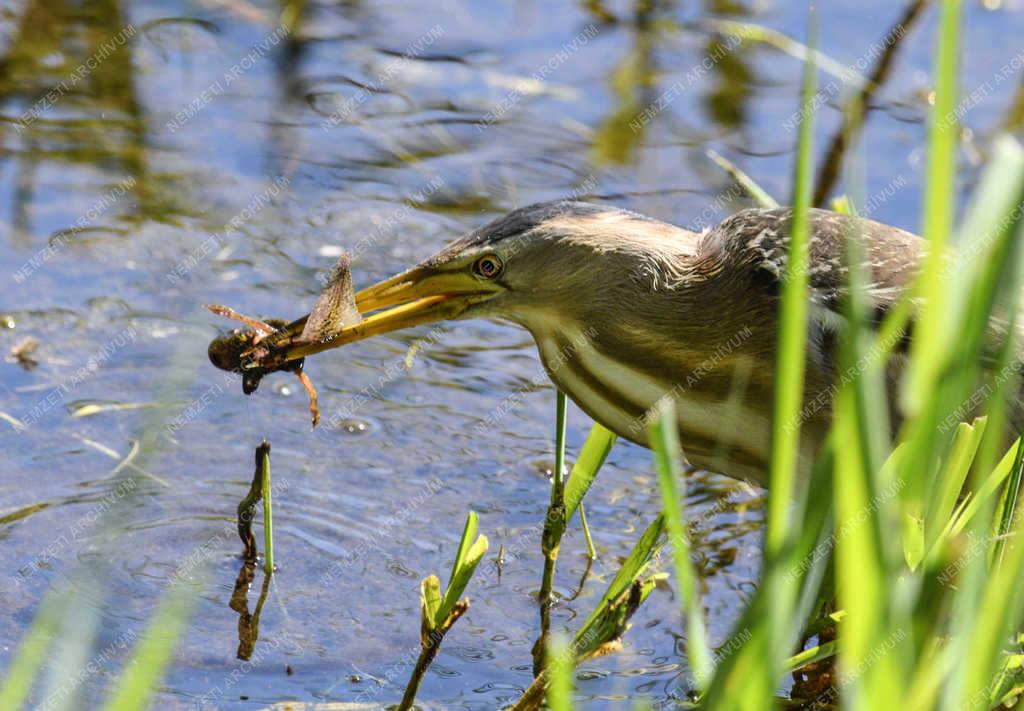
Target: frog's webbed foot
x=335, y=308
x=314, y=409
x=262, y=329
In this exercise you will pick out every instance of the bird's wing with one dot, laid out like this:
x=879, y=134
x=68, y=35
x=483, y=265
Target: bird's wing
x=335, y=308
x=757, y=241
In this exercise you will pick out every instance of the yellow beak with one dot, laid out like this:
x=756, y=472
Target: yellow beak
x=416, y=296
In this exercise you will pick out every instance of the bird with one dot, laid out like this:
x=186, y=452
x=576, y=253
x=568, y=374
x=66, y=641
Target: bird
x=626, y=309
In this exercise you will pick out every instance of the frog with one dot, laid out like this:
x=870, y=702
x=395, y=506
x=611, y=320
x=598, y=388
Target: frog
x=244, y=349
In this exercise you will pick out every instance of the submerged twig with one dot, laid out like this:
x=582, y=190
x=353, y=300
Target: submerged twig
x=551, y=538
x=853, y=111
x=583, y=580
x=591, y=552
x=126, y=462
x=263, y=466
x=259, y=489
x=755, y=191
x=430, y=643
x=437, y=613
x=13, y=421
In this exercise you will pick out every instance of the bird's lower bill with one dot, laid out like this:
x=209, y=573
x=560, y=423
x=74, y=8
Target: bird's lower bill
x=417, y=296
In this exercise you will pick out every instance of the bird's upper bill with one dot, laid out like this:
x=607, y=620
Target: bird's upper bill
x=422, y=294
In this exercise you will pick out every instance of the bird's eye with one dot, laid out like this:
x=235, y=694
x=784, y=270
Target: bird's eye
x=488, y=266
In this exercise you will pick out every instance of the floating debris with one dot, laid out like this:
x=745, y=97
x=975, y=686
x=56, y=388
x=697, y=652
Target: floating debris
x=95, y=408
x=23, y=352
x=13, y=421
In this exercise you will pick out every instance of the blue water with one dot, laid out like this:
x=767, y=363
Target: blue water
x=148, y=156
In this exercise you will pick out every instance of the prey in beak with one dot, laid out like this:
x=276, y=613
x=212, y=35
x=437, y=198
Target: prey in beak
x=423, y=294
x=334, y=310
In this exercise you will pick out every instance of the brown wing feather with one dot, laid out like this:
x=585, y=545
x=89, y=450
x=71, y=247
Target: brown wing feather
x=335, y=308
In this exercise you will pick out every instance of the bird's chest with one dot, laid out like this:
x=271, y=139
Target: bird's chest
x=722, y=414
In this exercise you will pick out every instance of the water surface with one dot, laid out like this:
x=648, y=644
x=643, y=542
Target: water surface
x=208, y=153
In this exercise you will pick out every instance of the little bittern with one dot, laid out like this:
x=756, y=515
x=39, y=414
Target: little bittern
x=626, y=309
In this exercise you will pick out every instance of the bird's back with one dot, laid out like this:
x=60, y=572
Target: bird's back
x=755, y=243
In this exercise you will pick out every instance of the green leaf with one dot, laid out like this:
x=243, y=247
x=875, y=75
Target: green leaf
x=951, y=479
x=468, y=534
x=560, y=667
x=1005, y=508
x=153, y=653
x=587, y=638
x=595, y=450
x=664, y=439
x=430, y=600
x=20, y=677
x=469, y=555
x=759, y=194
x=930, y=335
x=988, y=487
x=812, y=655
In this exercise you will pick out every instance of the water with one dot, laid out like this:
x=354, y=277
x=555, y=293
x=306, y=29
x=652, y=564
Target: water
x=205, y=155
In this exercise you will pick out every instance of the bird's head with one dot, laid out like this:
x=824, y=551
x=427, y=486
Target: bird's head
x=539, y=258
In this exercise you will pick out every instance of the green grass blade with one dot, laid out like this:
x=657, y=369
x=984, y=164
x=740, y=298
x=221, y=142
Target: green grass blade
x=743, y=678
x=21, y=676
x=755, y=191
x=783, y=591
x=862, y=574
x=466, y=560
x=73, y=649
x=561, y=666
x=792, y=343
x=634, y=566
x=951, y=479
x=812, y=655
x=1000, y=613
x=430, y=601
x=984, y=492
x=1006, y=507
x=595, y=450
x=268, y=509
x=153, y=653
x=930, y=336
x=664, y=440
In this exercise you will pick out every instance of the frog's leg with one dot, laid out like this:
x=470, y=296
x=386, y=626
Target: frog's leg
x=335, y=308
x=314, y=409
x=261, y=328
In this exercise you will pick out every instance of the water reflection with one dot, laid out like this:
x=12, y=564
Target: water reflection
x=248, y=623
x=397, y=127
